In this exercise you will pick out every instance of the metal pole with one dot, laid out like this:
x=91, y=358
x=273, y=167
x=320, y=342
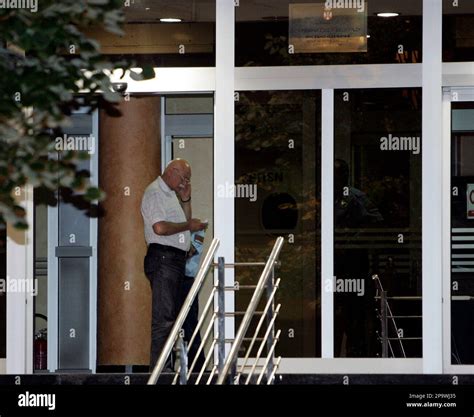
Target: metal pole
x=234, y=351
x=270, y=312
x=383, y=311
x=183, y=360
x=221, y=314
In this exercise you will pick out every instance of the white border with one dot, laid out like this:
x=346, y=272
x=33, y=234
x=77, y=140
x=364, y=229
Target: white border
x=19, y=311
x=328, y=77
x=327, y=223
x=446, y=171
x=432, y=189
x=351, y=366
x=224, y=142
x=93, y=242
x=53, y=288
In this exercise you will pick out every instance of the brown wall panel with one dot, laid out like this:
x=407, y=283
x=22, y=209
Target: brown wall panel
x=130, y=159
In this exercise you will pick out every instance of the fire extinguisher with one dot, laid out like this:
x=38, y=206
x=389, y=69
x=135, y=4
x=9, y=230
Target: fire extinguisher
x=41, y=347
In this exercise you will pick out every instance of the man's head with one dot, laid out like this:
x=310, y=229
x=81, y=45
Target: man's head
x=177, y=174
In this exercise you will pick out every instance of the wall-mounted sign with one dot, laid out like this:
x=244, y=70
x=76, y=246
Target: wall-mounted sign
x=328, y=26
x=470, y=201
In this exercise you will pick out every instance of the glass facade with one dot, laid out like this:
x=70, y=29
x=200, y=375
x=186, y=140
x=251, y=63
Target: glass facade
x=3, y=294
x=377, y=220
x=307, y=32
x=277, y=155
x=164, y=34
x=458, y=32
x=462, y=234
x=377, y=160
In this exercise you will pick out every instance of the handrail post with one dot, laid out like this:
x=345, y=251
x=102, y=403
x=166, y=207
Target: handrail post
x=221, y=314
x=384, y=319
x=183, y=361
x=234, y=351
x=270, y=313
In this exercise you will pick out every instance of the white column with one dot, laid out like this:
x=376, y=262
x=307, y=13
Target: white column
x=224, y=144
x=432, y=188
x=20, y=292
x=327, y=224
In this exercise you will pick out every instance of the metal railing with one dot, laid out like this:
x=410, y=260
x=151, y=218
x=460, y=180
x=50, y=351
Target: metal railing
x=386, y=315
x=266, y=281
x=175, y=331
x=216, y=343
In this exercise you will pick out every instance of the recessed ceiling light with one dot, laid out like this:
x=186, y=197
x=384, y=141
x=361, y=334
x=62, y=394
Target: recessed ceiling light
x=147, y=8
x=388, y=14
x=170, y=20
x=368, y=36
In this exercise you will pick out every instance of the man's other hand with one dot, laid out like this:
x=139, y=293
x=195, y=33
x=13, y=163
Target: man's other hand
x=195, y=225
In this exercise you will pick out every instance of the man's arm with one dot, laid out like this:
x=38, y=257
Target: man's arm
x=186, y=205
x=168, y=228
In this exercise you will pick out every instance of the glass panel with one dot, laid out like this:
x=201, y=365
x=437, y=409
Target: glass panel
x=307, y=32
x=458, y=30
x=3, y=294
x=165, y=34
x=462, y=234
x=73, y=313
x=73, y=217
x=277, y=158
x=41, y=278
x=377, y=213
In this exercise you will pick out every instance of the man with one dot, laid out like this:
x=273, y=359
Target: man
x=167, y=217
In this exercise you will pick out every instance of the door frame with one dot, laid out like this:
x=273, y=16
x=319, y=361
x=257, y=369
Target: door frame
x=450, y=95
x=53, y=266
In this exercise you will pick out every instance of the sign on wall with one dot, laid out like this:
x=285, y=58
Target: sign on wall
x=328, y=26
x=470, y=201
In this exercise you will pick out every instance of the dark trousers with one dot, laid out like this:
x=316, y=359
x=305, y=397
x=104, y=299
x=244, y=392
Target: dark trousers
x=164, y=267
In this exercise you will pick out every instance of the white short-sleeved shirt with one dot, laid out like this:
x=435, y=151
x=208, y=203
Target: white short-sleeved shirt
x=160, y=203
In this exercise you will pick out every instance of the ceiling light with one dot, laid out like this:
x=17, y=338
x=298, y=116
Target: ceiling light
x=170, y=20
x=388, y=14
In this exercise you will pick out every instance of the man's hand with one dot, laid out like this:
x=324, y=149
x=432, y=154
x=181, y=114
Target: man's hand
x=195, y=225
x=185, y=192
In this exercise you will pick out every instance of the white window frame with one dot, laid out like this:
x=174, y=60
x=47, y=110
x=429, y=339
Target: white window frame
x=451, y=94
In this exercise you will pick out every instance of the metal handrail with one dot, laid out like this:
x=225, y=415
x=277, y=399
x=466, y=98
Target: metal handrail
x=178, y=324
x=259, y=325
x=386, y=305
x=251, y=310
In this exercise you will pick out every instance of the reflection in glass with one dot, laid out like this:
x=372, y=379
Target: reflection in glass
x=462, y=234
x=377, y=220
x=277, y=150
x=164, y=34
x=458, y=31
x=3, y=295
x=306, y=32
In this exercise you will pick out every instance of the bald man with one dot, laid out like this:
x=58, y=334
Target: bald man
x=168, y=222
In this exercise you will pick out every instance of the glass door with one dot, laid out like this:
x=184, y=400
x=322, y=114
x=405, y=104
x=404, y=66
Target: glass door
x=458, y=230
